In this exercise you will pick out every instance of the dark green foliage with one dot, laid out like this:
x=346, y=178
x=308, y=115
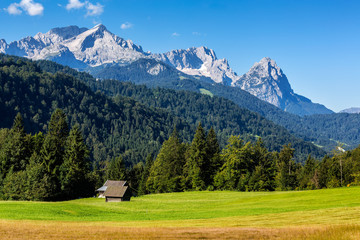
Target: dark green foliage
x=247, y=167
x=286, y=169
x=116, y=169
x=197, y=162
x=222, y=114
x=213, y=154
x=52, y=167
x=75, y=169
x=308, y=177
x=135, y=178
x=166, y=173
x=145, y=175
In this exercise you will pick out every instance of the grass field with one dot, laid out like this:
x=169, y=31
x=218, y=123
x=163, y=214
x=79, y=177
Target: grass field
x=319, y=214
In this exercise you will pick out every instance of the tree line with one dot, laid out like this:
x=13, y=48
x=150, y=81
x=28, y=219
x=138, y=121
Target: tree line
x=56, y=166
x=239, y=166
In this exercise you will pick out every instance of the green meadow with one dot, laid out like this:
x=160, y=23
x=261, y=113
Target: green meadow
x=205, y=208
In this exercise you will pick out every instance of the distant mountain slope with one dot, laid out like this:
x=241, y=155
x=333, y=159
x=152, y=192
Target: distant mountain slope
x=351, y=110
x=83, y=48
x=310, y=128
x=225, y=116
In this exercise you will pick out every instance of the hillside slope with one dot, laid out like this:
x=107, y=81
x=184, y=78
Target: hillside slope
x=326, y=130
x=110, y=126
x=225, y=116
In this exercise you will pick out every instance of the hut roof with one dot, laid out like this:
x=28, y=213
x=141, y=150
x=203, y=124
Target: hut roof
x=114, y=183
x=115, y=191
x=111, y=183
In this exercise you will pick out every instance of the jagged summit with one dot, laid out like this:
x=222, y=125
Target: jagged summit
x=267, y=81
x=76, y=47
x=64, y=32
x=200, y=61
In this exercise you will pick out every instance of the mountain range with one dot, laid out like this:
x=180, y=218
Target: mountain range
x=95, y=49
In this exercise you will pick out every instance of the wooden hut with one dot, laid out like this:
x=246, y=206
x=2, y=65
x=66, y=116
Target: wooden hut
x=115, y=191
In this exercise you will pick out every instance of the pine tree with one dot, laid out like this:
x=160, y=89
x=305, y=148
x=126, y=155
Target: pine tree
x=15, y=152
x=197, y=161
x=235, y=172
x=145, y=175
x=116, y=169
x=213, y=156
x=166, y=174
x=76, y=167
x=263, y=171
x=285, y=163
x=54, y=144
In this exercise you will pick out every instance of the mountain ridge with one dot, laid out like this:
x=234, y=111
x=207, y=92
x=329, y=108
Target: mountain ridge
x=83, y=49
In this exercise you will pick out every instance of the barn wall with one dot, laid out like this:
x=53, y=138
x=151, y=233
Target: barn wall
x=113, y=199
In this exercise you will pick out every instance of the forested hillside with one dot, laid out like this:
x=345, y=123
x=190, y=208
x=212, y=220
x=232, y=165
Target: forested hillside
x=226, y=117
x=110, y=126
x=324, y=130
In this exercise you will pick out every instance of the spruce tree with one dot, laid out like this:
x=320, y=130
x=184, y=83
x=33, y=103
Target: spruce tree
x=197, y=161
x=116, y=169
x=166, y=174
x=285, y=164
x=76, y=167
x=145, y=175
x=54, y=143
x=213, y=156
x=15, y=152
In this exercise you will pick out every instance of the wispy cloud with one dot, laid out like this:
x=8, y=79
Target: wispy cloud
x=175, y=34
x=91, y=9
x=94, y=10
x=29, y=6
x=74, y=4
x=126, y=25
x=199, y=34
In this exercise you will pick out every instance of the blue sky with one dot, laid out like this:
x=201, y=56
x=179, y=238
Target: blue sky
x=315, y=42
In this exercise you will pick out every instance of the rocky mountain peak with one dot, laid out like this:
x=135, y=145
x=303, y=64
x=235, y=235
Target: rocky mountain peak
x=67, y=32
x=266, y=81
x=267, y=68
x=201, y=61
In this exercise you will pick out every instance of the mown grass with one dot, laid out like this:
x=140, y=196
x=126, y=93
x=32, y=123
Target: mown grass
x=218, y=205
